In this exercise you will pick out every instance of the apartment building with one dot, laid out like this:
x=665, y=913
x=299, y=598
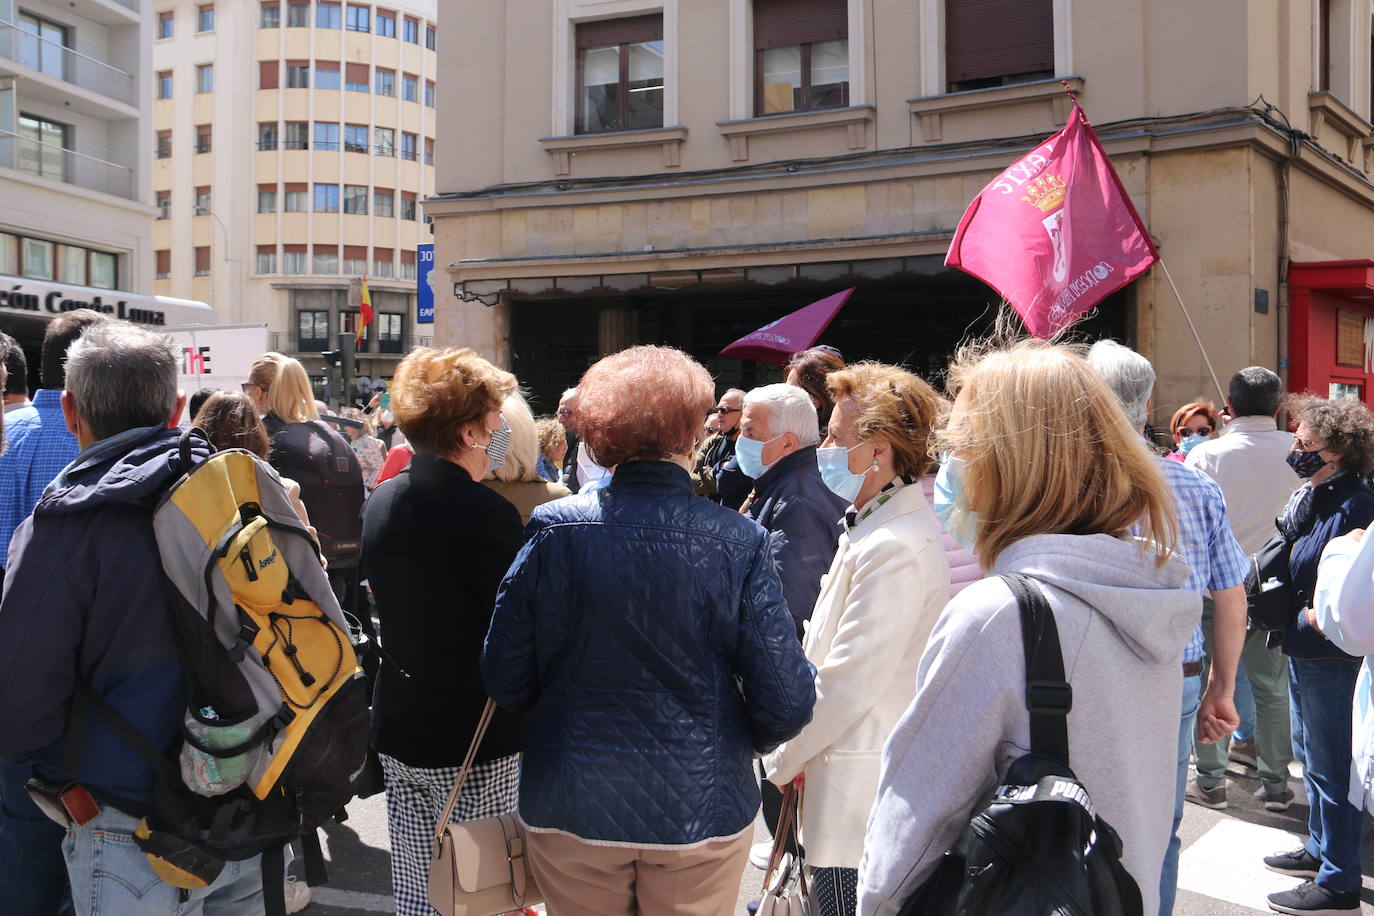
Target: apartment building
x=657, y=170
x=293, y=142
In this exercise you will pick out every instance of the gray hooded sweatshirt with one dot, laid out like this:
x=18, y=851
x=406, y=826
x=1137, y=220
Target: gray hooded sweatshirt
x=1123, y=623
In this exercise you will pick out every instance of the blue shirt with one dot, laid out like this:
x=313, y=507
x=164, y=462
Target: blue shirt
x=38, y=446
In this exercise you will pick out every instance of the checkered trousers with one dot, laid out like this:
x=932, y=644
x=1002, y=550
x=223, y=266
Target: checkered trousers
x=415, y=797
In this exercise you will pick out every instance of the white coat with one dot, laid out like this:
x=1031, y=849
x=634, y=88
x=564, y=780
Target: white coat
x=877, y=605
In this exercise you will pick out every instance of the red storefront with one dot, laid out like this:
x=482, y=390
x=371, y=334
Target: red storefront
x=1331, y=328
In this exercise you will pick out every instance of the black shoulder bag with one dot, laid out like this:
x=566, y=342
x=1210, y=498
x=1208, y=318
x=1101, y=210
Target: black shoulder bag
x=1038, y=848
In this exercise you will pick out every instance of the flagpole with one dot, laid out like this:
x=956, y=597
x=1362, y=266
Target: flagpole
x=1192, y=327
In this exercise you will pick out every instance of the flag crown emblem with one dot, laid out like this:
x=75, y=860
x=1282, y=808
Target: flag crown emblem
x=1046, y=192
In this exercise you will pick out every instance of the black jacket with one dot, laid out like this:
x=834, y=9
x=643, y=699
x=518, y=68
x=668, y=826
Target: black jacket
x=435, y=546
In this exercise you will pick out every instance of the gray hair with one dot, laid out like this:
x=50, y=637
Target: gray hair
x=790, y=410
x=122, y=377
x=1128, y=374
x=569, y=393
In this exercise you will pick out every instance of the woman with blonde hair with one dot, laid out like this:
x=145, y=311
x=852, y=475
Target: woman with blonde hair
x=887, y=583
x=518, y=478
x=280, y=388
x=553, y=447
x=1050, y=479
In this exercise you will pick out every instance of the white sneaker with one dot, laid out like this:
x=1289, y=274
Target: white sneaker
x=297, y=895
x=759, y=853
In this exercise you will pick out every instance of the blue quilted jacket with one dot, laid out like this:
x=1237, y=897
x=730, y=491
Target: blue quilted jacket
x=645, y=631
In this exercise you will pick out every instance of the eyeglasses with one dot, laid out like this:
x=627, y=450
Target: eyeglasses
x=725, y=410
x=246, y=386
x=1200, y=431
x=565, y=411
x=1306, y=446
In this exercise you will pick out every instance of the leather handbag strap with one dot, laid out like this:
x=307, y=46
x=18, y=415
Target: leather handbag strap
x=487, y=712
x=787, y=824
x=1048, y=696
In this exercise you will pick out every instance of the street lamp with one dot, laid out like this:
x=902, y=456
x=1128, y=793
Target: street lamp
x=235, y=302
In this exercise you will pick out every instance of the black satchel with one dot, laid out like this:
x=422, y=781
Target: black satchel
x=1038, y=848
x=1273, y=602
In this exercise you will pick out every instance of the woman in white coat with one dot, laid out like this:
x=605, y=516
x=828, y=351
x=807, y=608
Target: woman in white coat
x=885, y=589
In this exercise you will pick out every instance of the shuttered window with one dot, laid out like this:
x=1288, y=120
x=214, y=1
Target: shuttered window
x=269, y=74
x=801, y=55
x=357, y=78
x=1349, y=339
x=203, y=261
x=163, y=269
x=998, y=42
x=620, y=74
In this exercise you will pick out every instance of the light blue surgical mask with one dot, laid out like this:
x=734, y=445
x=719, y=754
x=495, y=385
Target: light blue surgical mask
x=949, y=487
x=1192, y=442
x=835, y=472
x=749, y=454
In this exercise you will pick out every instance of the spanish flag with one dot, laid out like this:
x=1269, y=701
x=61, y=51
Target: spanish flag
x=364, y=315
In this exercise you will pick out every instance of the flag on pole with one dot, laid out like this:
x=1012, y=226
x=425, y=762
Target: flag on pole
x=364, y=315
x=775, y=342
x=1055, y=233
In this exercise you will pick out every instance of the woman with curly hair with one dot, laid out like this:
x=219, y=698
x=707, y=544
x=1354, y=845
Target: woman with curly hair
x=1333, y=450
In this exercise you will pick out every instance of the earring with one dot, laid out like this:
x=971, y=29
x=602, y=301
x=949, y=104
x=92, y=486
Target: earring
x=875, y=464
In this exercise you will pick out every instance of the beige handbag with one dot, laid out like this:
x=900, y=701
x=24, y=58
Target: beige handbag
x=789, y=894
x=479, y=868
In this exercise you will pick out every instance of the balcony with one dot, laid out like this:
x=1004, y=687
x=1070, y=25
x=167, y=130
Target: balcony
x=292, y=344
x=48, y=58
x=45, y=160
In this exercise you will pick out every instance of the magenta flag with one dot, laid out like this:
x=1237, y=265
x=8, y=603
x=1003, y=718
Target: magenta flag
x=776, y=341
x=1056, y=233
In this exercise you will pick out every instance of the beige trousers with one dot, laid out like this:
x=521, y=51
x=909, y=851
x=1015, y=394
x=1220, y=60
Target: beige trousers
x=581, y=879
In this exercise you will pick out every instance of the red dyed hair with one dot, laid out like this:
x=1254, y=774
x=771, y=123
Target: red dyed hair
x=644, y=402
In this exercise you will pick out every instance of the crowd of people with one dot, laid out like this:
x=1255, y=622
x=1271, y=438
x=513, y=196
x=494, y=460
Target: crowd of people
x=686, y=607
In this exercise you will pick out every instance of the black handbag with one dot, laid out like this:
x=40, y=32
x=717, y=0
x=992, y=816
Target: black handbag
x=1273, y=602
x=1038, y=848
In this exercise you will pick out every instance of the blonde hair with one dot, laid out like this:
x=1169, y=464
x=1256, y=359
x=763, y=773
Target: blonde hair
x=289, y=395
x=1047, y=449
x=522, y=457
x=552, y=436
x=894, y=405
x=435, y=393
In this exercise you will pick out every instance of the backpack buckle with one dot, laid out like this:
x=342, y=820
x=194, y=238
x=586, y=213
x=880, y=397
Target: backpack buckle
x=1049, y=697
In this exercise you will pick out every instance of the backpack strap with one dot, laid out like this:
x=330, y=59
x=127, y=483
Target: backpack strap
x=130, y=735
x=1048, y=696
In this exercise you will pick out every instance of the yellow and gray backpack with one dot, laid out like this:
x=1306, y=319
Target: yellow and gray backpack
x=275, y=733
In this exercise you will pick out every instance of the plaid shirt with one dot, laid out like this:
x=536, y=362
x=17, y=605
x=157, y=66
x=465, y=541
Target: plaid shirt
x=38, y=446
x=1208, y=544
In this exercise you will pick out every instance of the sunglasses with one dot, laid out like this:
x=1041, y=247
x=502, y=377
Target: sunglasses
x=1200, y=431
x=725, y=410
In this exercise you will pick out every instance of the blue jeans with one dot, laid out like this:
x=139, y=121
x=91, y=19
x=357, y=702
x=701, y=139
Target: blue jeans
x=1168, y=879
x=33, y=877
x=1245, y=705
x=111, y=877
x=1323, y=692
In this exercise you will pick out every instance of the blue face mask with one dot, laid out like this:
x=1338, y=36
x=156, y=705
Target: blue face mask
x=1190, y=443
x=835, y=472
x=749, y=454
x=949, y=487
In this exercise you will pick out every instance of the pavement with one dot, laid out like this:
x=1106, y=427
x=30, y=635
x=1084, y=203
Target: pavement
x=1220, y=871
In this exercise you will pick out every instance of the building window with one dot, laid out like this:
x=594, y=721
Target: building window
x=355, y=138
x=998, y=42
x=326, y=260
x=314, y=330
x=297, y=74
x=412, y=31
x=267, y=260
x=297, y=15
x=104, y=270
x=202, y=200
x=356, y=77
x=326, y=198
x=163, y=268
x=71, y=264
x=202, y=260
x=620, y=74
x=407, y=205
x=408, y=146
x=355, y=198
x=297, y=197
x=410, y=88
x=267, y=198
x=203, y=134
x=386, y=140
x=37, y=258
x=164, y=204
x=293, y=260
x=383, y=202
x=801, y=57
x=326, y=135
x=354, y=261
x=431, y=40
x=326, y=74
x=386, y=24
x=297, y=135
x=205, y=78
x=164, y=84
x=42, y=45
x=327, y=15
x=383, y=263
x=269, y=16
x=205, y=20
x=166, y=24
x=389, y=332
x=1324, y=45
x=164, y=144
x=385, y=82
x=429, y=150
x=429, y=93
x=46, y=151
x=359, y=18
x=267, y=135
x=269, y=74
x=408, y=264
x=9, y=256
